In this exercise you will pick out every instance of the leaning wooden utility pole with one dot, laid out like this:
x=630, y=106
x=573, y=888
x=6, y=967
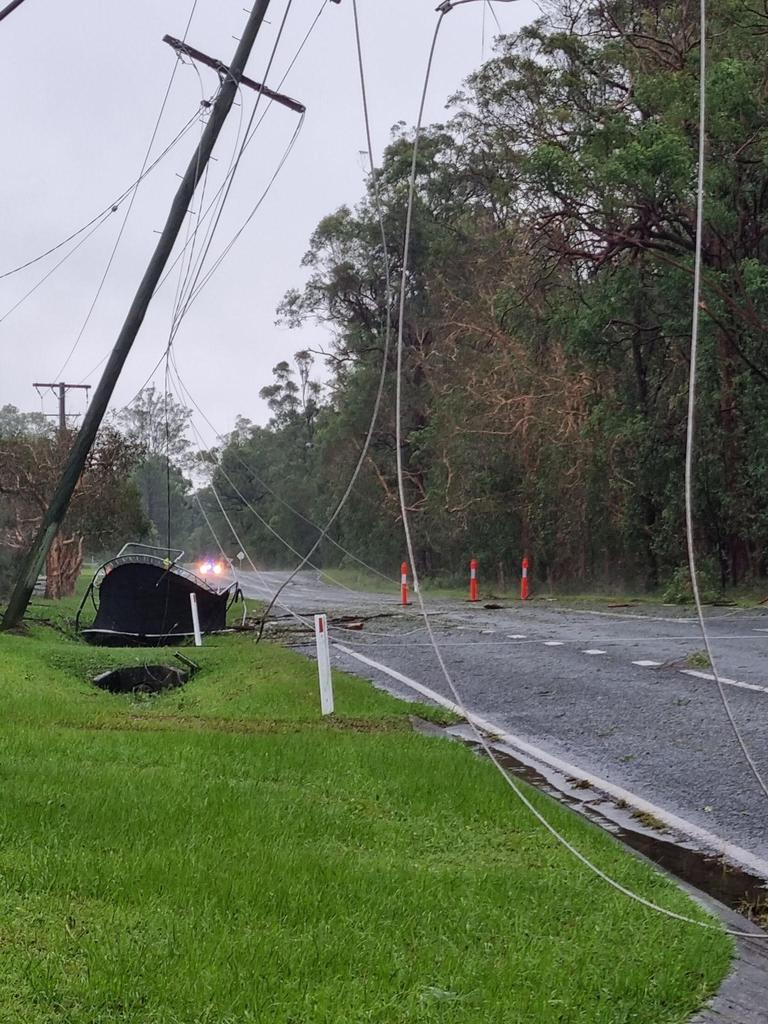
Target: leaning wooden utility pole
x=57, y=509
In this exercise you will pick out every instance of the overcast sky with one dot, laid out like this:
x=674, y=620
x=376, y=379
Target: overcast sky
x=83, y=81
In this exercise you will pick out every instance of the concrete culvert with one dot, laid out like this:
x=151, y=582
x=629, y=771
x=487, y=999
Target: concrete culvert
x=142, y=679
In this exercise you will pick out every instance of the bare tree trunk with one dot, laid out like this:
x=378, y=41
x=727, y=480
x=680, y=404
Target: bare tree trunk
x=63, y=565
x=734, y=543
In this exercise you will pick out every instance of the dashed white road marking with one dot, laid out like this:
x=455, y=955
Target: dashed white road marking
x=726, y=682
x=629, y=615
x=592, y=650
x=516, y=636
x=553, y=643
x=644, y=663
x=717, y=844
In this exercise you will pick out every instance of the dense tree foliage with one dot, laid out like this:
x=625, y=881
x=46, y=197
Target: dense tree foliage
x=158, y=423
x=263, y=472
x=548, y=314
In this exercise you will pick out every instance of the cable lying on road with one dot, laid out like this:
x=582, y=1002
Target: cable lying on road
x=543, y=759
x=692, y=382
x=405, y=514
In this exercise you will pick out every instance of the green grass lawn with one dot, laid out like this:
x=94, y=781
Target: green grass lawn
x=221, y=855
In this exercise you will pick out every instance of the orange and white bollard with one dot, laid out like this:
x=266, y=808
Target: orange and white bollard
x=404, y=584
x=524, y=581
x=473, y=580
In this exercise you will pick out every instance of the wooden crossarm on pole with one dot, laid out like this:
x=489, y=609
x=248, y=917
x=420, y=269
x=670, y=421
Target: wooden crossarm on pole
x=222, y=69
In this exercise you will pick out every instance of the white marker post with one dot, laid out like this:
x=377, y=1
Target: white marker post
x=324, y=664
x=196, y=621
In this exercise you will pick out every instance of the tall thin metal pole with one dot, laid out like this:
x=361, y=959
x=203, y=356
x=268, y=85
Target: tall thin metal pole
x=57, y=509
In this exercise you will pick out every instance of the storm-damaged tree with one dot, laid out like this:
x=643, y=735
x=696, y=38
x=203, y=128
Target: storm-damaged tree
x=596, y=108
x=548, y=308
x=105, y=509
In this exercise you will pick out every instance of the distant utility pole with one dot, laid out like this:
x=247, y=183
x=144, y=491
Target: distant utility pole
x=10, y=8
x=33, y=563
x=62, y=389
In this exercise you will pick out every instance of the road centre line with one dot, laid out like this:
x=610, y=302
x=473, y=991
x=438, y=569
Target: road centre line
x=607, y=641
x=711, y=840
x=642, y=663
x=629, y=615
x=736, y=613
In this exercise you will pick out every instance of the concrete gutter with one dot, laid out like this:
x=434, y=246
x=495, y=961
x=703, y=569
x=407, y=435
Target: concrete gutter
x=743, y=996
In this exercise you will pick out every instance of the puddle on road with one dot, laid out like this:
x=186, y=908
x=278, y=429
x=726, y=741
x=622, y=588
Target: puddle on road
x=731, y=885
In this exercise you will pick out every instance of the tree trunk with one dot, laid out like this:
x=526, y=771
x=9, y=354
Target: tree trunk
x=63, y=565
x=734, y=543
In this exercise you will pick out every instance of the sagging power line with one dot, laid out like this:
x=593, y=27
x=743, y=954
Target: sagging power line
x=133, y=194
x=213, y=205
x=10, y=8
x=54, y=515
x=483, y=739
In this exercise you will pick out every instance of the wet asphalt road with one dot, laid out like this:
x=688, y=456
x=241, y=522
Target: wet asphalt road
x=568, y=681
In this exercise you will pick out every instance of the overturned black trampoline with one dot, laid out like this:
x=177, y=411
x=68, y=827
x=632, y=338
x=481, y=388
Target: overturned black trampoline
x=144, y=601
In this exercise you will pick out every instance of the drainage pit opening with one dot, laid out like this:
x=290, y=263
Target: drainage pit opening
x=142, y=679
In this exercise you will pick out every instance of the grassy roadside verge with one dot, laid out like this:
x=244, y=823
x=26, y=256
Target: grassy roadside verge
x=368, y=582
x=747, y=596
x=221, y=854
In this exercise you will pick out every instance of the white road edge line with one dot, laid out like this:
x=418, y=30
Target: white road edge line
x=727, y=682
x=716, y=844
